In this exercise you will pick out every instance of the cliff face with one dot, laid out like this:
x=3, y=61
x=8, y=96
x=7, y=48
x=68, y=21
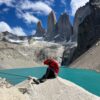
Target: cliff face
x=60, y=31
x=80, y=15
x=51, y=25
x=86, y=27
x=63, y=28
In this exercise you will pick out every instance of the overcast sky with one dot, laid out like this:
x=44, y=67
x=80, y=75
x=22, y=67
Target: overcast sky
x=21, y=16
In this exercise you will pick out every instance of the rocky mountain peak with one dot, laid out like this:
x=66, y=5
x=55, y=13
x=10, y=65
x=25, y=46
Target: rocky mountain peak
x=52, y=16
x=39, y=24
x=51, y=22
x=64, y=14
x=86, y=28
x=64, y=27
x=39, y=31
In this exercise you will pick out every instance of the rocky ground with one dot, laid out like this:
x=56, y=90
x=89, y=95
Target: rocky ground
x=9, y=92
x=90, y=59
x=14, y=55
x=54, y=89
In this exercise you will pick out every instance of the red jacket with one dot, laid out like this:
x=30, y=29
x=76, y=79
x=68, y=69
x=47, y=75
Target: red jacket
x=52, y=64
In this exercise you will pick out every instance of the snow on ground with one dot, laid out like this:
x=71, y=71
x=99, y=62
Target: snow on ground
x=17, y=41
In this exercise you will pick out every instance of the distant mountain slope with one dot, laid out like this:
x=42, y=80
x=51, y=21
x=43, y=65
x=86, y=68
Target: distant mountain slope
x=90, y=59
x=14, y=55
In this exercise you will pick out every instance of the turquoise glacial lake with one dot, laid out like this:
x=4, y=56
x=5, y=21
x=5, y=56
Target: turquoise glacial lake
x=88, y=79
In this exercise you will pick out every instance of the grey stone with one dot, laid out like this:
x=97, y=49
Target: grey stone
x=63, y=28
x=40, y=31
x=51, y=23
x=86, y=29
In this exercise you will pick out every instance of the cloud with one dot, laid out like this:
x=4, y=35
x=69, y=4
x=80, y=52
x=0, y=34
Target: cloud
x=63, y=2
x=36, y=6
x=33, y=32
x=7, y=2
x=4, y=10
x=25, y=9
x=4, y=27
x=49, y=2
x=75, y=4
x=29, y=18
x=16, y=30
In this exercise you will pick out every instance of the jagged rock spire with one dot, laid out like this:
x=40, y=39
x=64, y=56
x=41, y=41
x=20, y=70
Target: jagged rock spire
x=39, y=31
x=51, y=22
x=64, y=27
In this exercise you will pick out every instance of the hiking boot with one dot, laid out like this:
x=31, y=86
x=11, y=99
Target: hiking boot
x=36, y=81
x=41, y=80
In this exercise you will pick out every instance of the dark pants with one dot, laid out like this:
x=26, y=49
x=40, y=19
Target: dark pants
x=50, y=74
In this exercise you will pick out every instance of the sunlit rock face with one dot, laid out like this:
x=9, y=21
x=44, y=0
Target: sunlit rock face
x=58, y=31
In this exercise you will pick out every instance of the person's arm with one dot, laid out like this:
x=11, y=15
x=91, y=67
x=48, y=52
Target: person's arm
x=46, y=62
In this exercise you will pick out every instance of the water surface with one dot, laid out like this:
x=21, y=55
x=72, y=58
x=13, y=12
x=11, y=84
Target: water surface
x=88, y=79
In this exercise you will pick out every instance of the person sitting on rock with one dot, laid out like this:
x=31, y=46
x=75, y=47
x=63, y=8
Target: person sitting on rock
x=51, y=72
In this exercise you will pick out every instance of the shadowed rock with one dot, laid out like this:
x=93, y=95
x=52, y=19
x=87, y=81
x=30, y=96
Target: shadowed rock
x=95, y=3
x=63, y=28
x=51, y=25
x=51, y=22
x=86, y=27
x=60, y=31
x=39, y=31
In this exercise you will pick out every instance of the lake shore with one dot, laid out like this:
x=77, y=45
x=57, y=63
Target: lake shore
x=54, y=89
